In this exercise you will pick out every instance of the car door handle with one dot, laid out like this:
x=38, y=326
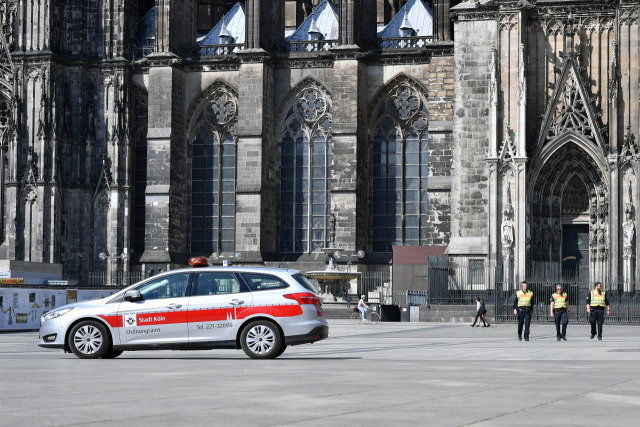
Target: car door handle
x=236, y=302
x=174, y=306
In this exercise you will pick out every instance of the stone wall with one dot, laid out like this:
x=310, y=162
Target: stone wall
x=469, y=189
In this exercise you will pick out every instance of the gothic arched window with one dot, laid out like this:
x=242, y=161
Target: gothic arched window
x=305, y=181
x=399, y=169
x=213, y=179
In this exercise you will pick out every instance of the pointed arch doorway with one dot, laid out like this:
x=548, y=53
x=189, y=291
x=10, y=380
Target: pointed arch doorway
x=569, y=213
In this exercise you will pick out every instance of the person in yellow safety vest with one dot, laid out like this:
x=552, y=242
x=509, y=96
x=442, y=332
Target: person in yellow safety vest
x=596, y=303
x=522, y=308
x=560, y=311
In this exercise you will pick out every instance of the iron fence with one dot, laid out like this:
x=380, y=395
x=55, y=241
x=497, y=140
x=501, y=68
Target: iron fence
x=376, y=286
x=116, y=278
x=457, y=285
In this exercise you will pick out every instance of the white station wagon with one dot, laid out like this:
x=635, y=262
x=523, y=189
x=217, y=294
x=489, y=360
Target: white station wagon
x=261, y=310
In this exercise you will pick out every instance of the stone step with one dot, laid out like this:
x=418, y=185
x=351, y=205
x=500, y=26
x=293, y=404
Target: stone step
x=337, y=313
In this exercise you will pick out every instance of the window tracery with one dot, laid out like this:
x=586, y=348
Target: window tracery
x=213, y=179
x=399, y=169
x=305, y=184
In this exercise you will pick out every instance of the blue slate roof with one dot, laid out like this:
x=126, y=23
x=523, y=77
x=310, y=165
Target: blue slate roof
x=325, y=16
x=419, y=15
x=147, y=29
x=234, y=21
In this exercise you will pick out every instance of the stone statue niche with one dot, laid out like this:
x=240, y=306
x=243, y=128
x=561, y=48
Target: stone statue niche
x=628, y=235
x=507, y=236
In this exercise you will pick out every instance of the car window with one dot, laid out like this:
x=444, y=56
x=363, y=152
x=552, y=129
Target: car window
x=263, y=282
x=309, y=283
x=165, y=287
x=219, y=284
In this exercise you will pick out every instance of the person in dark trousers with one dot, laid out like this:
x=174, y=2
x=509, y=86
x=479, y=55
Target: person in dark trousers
x=480, y=314
x=596, y=303
x=560, y=312
x=522, y=308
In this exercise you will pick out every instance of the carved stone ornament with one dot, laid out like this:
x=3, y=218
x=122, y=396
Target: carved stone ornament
x=522, y=80
x=628, y=227
x=507, y=223
x=215, y=112
x=570, y=108
x=400, y=106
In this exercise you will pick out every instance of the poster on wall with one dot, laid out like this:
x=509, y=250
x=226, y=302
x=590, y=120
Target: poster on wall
x=23, y=308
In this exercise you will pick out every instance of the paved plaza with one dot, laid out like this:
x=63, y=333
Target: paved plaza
x=387, y=374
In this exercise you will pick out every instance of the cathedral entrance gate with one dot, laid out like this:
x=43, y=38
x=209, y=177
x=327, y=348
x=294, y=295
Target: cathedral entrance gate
x=575, y=251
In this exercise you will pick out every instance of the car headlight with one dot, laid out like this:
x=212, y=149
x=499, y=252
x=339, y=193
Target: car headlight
x=56, y=313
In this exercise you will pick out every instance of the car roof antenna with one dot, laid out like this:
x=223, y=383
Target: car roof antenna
x=281, y=261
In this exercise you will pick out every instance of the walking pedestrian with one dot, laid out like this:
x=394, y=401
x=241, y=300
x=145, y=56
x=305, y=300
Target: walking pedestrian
x=484, y=314
x=522, y=308
x=596, y=303
x=480, y=314
x=477, y=309
x=560, y=312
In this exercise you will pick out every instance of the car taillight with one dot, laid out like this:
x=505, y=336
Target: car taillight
x=307, y=298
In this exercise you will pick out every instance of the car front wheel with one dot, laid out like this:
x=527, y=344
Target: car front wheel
x=261, y=340
x=89, y=340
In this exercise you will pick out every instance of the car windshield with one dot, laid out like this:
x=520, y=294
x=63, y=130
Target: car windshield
x=309, y=283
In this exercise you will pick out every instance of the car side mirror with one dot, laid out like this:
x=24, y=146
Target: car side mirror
x=133, y=296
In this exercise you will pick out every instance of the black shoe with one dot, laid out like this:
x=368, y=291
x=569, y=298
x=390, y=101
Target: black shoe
x=600, y=338
x=519, y=338
x=592, y=335
x=488, y=325
x=526, y=339
x=558, y=338
x=472, y=325
x=564, y=338
x=484, y=326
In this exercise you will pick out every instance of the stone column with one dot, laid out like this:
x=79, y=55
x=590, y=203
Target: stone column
x=628, y=236
x=520, y=161
x=256, y=190
x=612, y=241
x=494, y=215
x=256, y=213
x=349, y=186
x=166, y=237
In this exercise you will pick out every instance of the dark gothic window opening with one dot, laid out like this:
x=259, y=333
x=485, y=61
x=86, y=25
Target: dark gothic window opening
x=399, y=171
x=305, y=185
x=214, y=176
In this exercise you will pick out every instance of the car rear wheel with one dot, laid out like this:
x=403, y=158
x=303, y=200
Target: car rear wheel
x=261, y=340
x=89, y=340
x=112, y=354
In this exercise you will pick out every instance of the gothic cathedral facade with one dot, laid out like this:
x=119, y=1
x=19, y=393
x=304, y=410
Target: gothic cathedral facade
x=135, y=134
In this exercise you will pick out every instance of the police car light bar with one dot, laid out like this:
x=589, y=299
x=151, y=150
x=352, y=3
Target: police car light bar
x=198, y=261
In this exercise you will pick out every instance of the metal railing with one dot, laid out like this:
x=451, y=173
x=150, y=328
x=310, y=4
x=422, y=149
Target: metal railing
x=376, y=285
x=140, y=52
x=403, y=43
x=202, y=51
x=410, y=298
x=307, y=46
x=458, y=285
x=116, y=278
